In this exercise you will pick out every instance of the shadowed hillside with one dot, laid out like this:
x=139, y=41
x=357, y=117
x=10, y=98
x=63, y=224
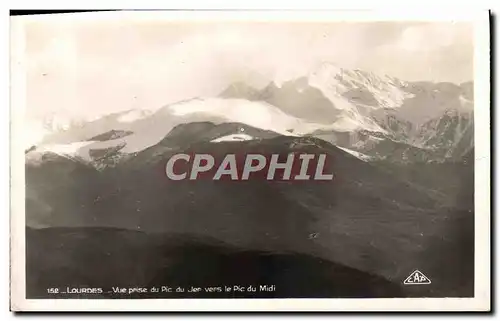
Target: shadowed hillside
x=370, y=220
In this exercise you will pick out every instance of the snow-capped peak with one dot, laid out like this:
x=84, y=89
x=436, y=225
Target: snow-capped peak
x=363, y=87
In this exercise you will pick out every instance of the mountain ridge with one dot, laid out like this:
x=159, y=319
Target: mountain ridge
x=376, y=116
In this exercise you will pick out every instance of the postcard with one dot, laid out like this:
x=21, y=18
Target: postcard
x=250, y=161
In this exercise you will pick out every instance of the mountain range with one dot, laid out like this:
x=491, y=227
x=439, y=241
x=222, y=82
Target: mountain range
x=402, y=198
x=371, y=116
x=382, y=117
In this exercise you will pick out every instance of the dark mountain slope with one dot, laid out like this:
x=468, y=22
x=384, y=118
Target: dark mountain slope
x=366, y=218
x=451, y=184
x=106, y=258
x=187, y=134
x=58, y=189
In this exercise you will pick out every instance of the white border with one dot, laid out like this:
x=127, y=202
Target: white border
x=481, y=301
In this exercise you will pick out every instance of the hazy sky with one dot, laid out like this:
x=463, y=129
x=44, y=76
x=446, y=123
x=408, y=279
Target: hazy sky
x=81, y=68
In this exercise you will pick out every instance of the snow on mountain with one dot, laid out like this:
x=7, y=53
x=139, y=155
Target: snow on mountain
x=233, y=138
x=359, y=155
x=71, y=150
x=349, y=102
x=133, y=115
x=360, y=86
x=351, y=121
x=257, y=114
x=372, y=102
x=431, y=100
x=453, y=132
x=354, y=109
x=341, y=99
x=110, y=135
x=144, y=131
x=80, y=129
x=87, y=151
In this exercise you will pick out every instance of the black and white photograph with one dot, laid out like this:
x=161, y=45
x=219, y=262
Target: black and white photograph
x=176, y=155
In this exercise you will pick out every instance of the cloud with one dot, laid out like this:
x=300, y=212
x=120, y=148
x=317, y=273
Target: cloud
x=84, y=68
